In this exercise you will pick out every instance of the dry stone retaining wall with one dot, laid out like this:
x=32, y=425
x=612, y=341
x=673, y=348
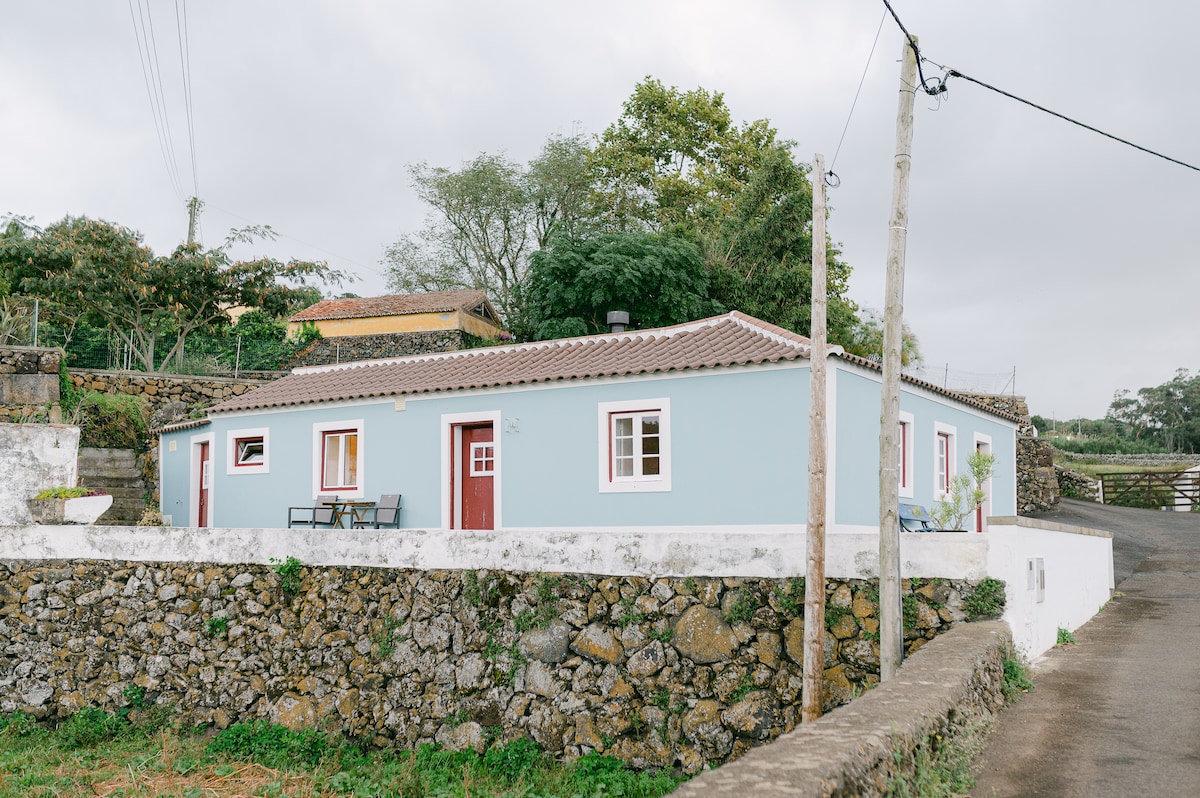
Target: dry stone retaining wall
x=346, y=348
x=28, y=381
x=659, y=672
x=162, y=389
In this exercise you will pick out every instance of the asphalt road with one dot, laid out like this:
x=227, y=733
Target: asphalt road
x=1117, y=713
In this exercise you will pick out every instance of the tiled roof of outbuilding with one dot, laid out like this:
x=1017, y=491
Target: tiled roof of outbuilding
x=730, y=340
x=392, y=305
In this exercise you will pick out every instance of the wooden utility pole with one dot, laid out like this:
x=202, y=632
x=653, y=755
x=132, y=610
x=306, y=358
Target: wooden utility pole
x=891, y=631
x=814, y=580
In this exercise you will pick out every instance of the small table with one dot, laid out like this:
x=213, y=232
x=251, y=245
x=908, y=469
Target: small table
x=354, y=508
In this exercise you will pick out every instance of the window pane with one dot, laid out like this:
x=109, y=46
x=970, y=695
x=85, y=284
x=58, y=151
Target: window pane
x=650, y=466
x=650, y=445
x=649, y=425
x=623, y=447
x=250, y=451
x=623, y=467
x=333, y=450
x=623, y=427
x=351, y=462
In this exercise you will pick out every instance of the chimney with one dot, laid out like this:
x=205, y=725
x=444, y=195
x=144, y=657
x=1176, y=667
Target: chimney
x=617, y=320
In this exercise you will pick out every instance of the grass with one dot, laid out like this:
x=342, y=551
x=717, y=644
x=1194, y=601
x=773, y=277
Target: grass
x=942, y=767
x=94, y=753
x=1065, y=637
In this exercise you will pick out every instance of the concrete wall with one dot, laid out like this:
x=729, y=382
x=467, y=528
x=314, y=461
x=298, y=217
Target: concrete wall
x=1077, y=575
x=34, y=457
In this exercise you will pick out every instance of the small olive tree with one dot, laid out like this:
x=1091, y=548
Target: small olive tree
x=966, y=494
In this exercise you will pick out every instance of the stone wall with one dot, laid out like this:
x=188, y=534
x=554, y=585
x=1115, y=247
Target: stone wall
x=162, y=389
x=1075, y=485
x=861, y=749
x=1152, y=459
x=1037, y=484
x=28, y=381
x=668, y=672
x=343, y=349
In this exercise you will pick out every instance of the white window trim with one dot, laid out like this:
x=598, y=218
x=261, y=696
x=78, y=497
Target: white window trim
x=656, y=484
x=951, y=432
x=906, y=488
x=231, y=439
x=318, y=453
x=986, y=440
x=194, y=479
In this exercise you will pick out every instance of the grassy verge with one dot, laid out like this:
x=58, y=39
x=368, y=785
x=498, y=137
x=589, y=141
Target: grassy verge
x=94, y=753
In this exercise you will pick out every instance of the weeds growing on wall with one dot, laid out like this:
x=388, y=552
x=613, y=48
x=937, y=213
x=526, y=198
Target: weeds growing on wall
x=112, y=421
x=1016, y=679
x=288, y=572
x=986, y=600
x=941, y=765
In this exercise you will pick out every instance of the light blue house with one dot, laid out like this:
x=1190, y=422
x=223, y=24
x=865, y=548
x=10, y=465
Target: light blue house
x=703, y=424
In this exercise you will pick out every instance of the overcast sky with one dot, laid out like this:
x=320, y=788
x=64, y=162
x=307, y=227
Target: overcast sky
x=1033, y=245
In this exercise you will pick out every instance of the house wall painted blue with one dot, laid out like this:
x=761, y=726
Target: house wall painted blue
x=737, y=449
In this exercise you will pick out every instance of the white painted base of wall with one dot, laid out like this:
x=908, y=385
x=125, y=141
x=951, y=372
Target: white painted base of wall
x=1078, y=562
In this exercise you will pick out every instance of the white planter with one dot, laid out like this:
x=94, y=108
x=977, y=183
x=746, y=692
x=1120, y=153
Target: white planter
x=83, y=510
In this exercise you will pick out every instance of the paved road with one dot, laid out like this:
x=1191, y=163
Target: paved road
x=1118, y=713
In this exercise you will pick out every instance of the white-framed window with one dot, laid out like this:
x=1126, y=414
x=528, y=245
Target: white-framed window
x=904, y=465
x=338, y=458
x=944, y=458
x=248, y=451
x=483, y=459
x=635, y=445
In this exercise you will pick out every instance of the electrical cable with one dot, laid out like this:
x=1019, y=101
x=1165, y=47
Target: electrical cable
x=142, y=61
x=954, y=73
x=156, y=73
x=185, y=65
x=831, y=179
x=940, y=88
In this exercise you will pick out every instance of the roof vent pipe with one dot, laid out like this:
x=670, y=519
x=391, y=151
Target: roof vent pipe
x=617, y=320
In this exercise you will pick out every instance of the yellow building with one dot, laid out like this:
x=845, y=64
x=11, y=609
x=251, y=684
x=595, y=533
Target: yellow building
x=468, y=310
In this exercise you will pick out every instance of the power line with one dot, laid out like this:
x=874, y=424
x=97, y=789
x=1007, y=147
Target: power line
x=861, y=80
x=185, y=65
x=954, y=73
x=156, y=73
x=147, y=67
x=940, y=87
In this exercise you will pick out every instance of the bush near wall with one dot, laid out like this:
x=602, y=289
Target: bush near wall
x=659, y=672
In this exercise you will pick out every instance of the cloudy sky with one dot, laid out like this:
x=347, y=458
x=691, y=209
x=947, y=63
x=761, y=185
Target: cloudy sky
x=1034, y=247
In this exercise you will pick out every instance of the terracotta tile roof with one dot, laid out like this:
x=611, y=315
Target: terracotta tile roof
x=729, y=340
x=733, y=339
x=391, y=305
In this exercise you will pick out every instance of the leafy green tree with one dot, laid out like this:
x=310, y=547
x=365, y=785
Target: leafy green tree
x=103, y=273
x=486, y=219
x=865, y=339
x=574, y=283
x=676, y=162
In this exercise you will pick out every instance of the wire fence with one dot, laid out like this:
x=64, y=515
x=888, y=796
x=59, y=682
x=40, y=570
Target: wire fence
x=202, y=355
x=967, y=381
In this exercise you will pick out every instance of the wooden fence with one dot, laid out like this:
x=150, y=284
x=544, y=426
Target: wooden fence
x=1152, y=489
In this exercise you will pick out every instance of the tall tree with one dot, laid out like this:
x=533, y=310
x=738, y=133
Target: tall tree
x=675, y=161
x=103, y=272
x=485, y=221
x=657, y=279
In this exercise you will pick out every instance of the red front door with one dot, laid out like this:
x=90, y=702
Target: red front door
x=205, y=475
x=476, y=466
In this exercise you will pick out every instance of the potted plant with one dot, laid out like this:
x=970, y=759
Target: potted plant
x=68, y=506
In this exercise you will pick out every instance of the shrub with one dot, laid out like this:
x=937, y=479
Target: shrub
x=112, y=421
x=986, y=600
x=89, y=727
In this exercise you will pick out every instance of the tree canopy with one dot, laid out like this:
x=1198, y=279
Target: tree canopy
x=102, y=273
x=658, y=279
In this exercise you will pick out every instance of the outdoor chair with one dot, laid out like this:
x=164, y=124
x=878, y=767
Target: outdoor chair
x=386, y=512
x=321, y=515
x=914, y=518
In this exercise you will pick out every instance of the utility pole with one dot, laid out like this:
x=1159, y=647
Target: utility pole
x=891, y=631
x=814, y=580
x=193, y=210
